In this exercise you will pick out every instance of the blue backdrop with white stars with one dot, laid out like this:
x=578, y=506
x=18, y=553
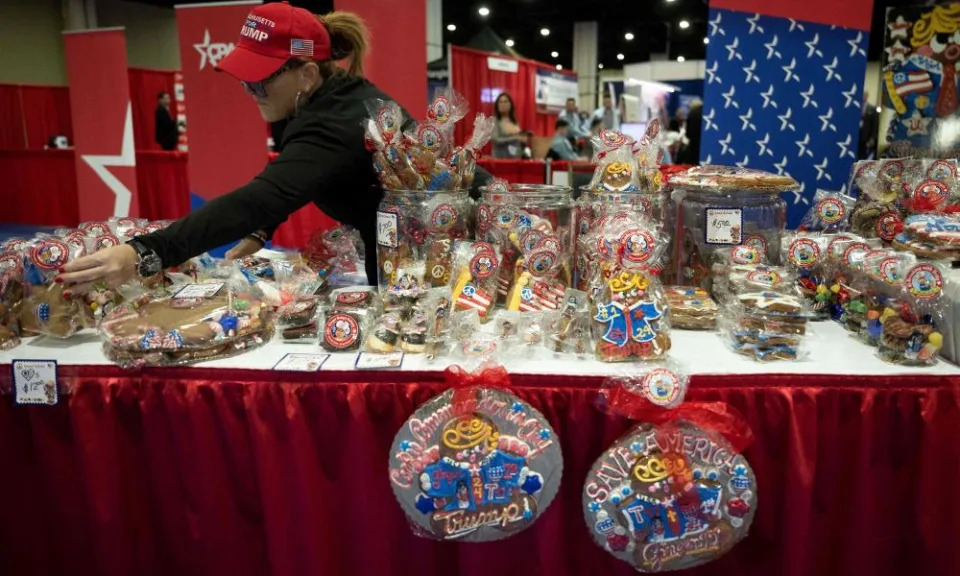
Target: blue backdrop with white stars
x=784, y=96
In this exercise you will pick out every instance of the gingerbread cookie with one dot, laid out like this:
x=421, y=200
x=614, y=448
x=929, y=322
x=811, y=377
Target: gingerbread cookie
x=691, y=308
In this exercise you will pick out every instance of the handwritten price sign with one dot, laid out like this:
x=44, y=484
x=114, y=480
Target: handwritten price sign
x=724, y=226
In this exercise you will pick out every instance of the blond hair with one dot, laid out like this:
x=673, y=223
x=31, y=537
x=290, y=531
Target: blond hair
x=349, y=40
x=940, y=20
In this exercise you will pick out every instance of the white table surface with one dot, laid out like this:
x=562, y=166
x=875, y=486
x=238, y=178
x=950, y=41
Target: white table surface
x=829, y=349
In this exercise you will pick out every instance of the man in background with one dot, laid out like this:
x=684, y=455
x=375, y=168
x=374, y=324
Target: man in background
x=869, y=129
x=690, y=153
x=561, y=148
x=609, y=115
x=571, y=116
x=166, y=126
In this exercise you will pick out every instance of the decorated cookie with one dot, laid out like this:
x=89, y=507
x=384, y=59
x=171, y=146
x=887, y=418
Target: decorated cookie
x=670, y=497
x=691, y=308
x=480, y=470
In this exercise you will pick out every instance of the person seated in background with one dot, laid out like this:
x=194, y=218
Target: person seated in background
x=608, y=114
x=561, y=148
x=508, y=139
x=690, y=152
x=166, y=128
x=596, y=125
x=572, y=117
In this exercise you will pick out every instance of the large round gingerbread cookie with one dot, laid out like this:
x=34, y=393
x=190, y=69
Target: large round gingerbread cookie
x=669, y=497
x=476, y=475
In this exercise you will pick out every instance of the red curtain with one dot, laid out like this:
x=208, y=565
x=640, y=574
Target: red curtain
x=30, y=115
x=162, y=187
x=39, y=187
x=234, y=472
x=145, y=84
x=472, y=77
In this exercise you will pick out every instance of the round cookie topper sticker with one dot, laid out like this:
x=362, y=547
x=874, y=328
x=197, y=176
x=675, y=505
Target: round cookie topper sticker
x=892, y=169
x=765, y=278
x=106, y=241
x=429, y=136
x=505, y=217
x=50, y=254
x=443, y=217
x=530, y=239
x=888, y=225
x=889, y=271
x=351, y=297
x=341, y=331
x=832, y=246
x=804, y=253
x=924, y=281
x=855, y=251
x=830, y=210
x=933, y=193
x=942, y=170
x=757, y=241
x=550, y=242
x=440, y=110
x=95, y=229
x=663, y=387
x=637, y=246
x=744, y=254
x=541, y=262
x=483, y=264
x=11, y=261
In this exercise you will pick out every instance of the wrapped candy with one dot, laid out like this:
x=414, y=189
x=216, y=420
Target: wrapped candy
x=45, y=310
x=910, y=334
x=475, y=464
x=674, y=492
x=198, y=322
x=830, y=212
x=884, y=272
x=476, y=265
x=805, y=254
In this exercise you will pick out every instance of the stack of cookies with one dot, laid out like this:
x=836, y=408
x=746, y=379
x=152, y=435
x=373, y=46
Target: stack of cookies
x=691, y=308
x=932, y=236
x=767, y=325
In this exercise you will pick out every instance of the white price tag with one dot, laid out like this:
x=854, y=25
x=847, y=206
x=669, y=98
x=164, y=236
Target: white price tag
x=724, y=226
x=368, y=361
x=387, y=229
x=199, y=290
x=302, y=362
x=35, y=381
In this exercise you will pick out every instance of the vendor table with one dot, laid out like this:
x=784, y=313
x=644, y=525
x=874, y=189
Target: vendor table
x=233, y=469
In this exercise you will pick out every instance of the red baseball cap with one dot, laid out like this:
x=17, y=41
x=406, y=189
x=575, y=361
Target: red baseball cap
x=272, y=34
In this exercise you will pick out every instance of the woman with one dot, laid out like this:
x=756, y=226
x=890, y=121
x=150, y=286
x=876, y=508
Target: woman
x=508, y=139
x=286, y=60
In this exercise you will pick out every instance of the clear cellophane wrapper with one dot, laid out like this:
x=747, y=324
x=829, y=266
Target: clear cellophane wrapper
x=421, y=328
x=186, y=327
x=616, y=171
x=883, y=273
x=471, y=346
x=476, y=266
x=842, y=250
x=630, y=309
x=930, y=236
x=662, y=384
x=568, y=330
x=464, y=159
x=829, y=212
x=335, y=254
x=45, y=310
x=766, y=326
x=11, y=300
x=854, y=287
x=880, y=208
x=911, y=332
x=649, y=155
x=739, y=258
x=536, y=255
x=295, y=294
x=384, y=137
x=805, y=254
x=345, y=321
x=930, y=186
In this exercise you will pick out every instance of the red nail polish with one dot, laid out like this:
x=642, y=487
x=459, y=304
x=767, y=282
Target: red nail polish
x=58, y=280
x=62, y=270
x=68, y=294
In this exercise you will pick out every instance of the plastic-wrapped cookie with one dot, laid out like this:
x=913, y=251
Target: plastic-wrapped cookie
x=669, y=497
x=481, y=471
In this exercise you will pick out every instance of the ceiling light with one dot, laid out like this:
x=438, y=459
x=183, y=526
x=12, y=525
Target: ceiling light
x=681, y=59
x=628, y=36
x=879, y=110
x=452, y=27
x=619, y=56
x=600, y=66
x=509, y=42
x=554, y=54
x=669, y=1
x=706, y=40
x=559, y=67
x=684, y=24
x=484, y=11
x=544, y=31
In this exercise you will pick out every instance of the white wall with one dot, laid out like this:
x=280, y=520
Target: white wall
x=31, y=50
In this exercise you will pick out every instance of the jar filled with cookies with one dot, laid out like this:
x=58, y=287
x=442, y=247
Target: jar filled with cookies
x=533, y=228
x=416, y=230
x=717, y=207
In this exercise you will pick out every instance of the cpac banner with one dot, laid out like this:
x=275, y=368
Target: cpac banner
x=553, y=88
x=783, y=90
x=102, y=122
x=227, y=135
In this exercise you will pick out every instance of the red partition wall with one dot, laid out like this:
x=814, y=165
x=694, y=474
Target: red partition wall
x=145, y=84
x=470, y=75
x=30, y=115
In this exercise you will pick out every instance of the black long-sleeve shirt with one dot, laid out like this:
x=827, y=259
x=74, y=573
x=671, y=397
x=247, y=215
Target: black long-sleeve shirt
x=323, y=160
x=166, y=129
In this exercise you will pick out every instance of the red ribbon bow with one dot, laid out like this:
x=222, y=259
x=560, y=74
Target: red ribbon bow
x=465, y=384
x=717, y=416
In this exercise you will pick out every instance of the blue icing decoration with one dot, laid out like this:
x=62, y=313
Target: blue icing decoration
x=229, y=323
x=425, y=505
x=43, y=313
x=518, y=407
x=594, y=507
x=635, y=447
x=533, y=484
x=405, y=445
x=544, y=434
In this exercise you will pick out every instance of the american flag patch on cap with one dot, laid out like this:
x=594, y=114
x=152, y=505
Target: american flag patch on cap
x=299, y=47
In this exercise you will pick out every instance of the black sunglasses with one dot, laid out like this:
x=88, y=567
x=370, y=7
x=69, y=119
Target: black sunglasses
x=260, y=88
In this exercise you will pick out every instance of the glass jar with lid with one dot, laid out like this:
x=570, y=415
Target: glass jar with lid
x=534, y=226
x=718, y=207
x=416, y=230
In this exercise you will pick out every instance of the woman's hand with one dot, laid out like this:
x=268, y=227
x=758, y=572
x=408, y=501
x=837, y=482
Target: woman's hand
x=244, y=248
x=113, y=266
